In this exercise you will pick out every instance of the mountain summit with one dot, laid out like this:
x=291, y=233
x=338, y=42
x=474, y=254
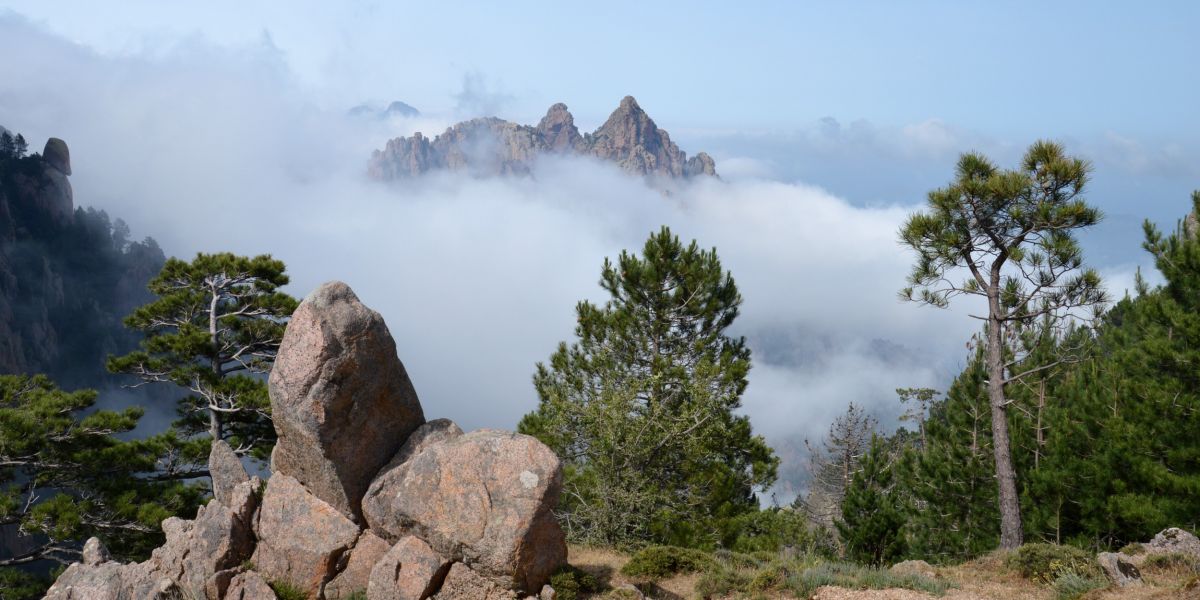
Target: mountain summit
x=491, y=146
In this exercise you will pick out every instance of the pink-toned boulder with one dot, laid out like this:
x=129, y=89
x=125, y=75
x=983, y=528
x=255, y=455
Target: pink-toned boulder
x=410, y=570
x=341, y=400
x=484, y=498
x=219, y=538
x=362, y=558
x=301, y=538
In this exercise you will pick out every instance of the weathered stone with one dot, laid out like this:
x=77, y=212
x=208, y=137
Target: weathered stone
x=57, y=155
x=484, y=498
x=301, y=538
x=700, y=164
x=360, y=560
x=547, y=593
x=249, y=586
x=462, y=583
x=1174, y=541
x=433, y=432
x=410, y=570
x=914, y=567
x=1118, y=569
x=195, y=550
x=94, y=552
x=226, y=471
x=218, y=585
x=341, y=400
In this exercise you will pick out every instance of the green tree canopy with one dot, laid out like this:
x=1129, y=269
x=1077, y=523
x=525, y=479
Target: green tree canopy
x=216, y=323
x=64, y=477
x=872, y=519
x=641, y=406
x=1009, y=236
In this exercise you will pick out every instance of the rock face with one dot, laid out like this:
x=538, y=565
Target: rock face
x=448, y=515
x=491, y=146
x=341, y=399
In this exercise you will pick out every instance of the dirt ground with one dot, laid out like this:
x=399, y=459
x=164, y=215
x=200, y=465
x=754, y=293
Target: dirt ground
x=982, y=579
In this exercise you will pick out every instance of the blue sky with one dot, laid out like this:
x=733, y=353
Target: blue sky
x=829, y=123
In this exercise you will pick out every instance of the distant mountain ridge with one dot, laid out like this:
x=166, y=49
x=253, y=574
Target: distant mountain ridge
x=492, y=146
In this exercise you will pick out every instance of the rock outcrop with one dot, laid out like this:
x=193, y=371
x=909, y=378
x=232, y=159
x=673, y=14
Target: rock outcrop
x=341, y=400
x=491, y=146
x=448, y=515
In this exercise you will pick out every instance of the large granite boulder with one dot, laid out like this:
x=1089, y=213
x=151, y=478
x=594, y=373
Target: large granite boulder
x=484, y=498
x=341, y=400
x=462, y=583
x=1174, y=541
x=249, y=586
x=301, y=538
x=57, y=155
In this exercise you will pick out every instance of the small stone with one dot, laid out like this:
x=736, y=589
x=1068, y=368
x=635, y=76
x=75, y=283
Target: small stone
x=94, y=552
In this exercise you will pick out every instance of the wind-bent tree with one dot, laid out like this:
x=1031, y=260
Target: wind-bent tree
x=217, y=322
x=640, y=407
x=64, y=476
x=1010, y=235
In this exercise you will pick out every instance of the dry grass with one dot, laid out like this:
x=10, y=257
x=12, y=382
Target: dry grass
x=983, y=579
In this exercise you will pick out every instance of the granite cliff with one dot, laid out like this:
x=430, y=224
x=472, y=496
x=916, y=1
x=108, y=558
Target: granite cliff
x=492, y=146
x=68, y=275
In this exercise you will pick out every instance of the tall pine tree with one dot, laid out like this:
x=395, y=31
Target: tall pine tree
x=641, y=406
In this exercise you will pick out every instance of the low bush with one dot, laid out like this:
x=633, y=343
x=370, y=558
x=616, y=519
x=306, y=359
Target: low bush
x=287, y=591
x=659, y=562
x=1046, y=562
x=571, y=582
x=1071, y=585
x=1132, y=549
x=1172, y=561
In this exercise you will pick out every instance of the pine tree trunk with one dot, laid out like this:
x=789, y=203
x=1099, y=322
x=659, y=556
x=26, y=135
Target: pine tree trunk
x=1006, y=473
x=214, y=417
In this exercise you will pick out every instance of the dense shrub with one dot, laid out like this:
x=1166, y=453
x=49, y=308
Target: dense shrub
x=1046, y=562
x=570, y=582
x=658, y=562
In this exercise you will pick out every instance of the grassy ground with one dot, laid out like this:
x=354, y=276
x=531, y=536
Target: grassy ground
x=792, y=578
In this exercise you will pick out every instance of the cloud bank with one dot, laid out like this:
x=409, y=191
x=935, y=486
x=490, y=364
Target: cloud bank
x=211, y=149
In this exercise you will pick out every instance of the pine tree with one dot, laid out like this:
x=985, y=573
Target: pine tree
x=950, y=481
x=66, y=477
x=20, y=146
x=641, y=406
x=834, y=463
x=1012, y=233
x=8, y=146
x=872, y=519
x=216, y=323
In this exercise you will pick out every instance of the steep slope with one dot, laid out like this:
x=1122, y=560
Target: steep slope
x=67, y=275
x=492, y=146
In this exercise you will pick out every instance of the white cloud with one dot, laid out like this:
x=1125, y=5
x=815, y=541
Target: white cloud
x=209, y=150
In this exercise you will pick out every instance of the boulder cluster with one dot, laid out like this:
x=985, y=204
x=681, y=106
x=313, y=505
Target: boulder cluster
x=366, y=497
x=492, y=146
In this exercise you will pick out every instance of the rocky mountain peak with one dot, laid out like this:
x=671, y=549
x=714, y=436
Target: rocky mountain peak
x=494, y=146
x=558, y=129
